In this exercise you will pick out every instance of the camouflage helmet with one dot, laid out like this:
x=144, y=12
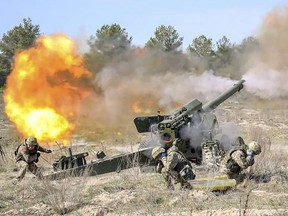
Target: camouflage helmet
x=157, y=151
x=31, y=141
x=255, y=147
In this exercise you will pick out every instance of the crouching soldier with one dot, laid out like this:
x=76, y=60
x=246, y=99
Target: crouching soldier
x=172, y=164
x=27, y=156
x=238, y=159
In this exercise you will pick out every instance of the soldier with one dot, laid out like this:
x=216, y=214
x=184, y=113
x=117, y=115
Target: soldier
x=172, y=164
x=27, y=156
x=238, y=159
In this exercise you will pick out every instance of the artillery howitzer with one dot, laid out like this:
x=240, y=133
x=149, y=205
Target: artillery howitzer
x=193, y=128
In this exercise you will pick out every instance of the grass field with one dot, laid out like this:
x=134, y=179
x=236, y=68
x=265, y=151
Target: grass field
x=132, y=192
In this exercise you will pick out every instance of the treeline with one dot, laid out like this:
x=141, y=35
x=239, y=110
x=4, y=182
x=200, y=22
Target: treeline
x=112, y=43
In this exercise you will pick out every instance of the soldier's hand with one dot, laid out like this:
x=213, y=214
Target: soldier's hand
x=250, y=157
x=159, y=167
x=48, y=151
x=250, y=160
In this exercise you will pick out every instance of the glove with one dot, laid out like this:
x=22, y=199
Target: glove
x=48, y=151
x=249, y=153
x=250, y=157
x=159, y=167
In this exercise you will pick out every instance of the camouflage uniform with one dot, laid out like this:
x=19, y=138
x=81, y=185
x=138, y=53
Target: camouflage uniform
x=173, y=166
x=235, y=162
x=26, y=160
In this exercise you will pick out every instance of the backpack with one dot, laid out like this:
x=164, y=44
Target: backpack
x=16, y=151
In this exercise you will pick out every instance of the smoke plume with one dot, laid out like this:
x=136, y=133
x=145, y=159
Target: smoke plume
x=130, y=89
x=268, y=69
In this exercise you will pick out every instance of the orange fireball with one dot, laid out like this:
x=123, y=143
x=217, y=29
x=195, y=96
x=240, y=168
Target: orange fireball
x=145, y=106
x=136, y=107
x=46, y=87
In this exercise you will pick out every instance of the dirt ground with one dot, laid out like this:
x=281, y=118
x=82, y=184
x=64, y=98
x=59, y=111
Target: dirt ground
x=132, y=192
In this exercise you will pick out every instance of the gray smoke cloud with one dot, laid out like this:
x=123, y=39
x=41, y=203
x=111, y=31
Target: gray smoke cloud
x=268, y=69
x=130, y=89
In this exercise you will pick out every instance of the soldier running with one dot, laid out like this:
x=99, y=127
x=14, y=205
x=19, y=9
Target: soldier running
x=27, y=156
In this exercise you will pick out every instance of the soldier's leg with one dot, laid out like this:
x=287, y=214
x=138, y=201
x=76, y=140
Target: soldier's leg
x=239, y=177
x=23, y=168
x=176, y=177
x=33, y=168
x=184, y=183
x=168, y=180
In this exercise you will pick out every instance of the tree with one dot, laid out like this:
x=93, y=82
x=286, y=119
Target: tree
x=110, y=40
x=224, y=50
x=241, y=53
x=166, y=39
x=201, y=47
x=248, y=44
x=19, y=38
x=229, y=58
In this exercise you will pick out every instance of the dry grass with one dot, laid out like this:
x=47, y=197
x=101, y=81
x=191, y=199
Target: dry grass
x=270, y=163
x=64, y=195
x=131, y=192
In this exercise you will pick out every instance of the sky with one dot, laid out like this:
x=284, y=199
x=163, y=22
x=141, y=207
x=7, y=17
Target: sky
x=80, y=19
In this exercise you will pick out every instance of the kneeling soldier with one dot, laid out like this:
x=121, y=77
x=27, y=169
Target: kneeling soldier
x=238, y=159
x=172, y=164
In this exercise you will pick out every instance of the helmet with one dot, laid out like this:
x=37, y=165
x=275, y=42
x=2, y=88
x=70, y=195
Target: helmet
x=157, y=151
x=255, y=147
x=31, y=141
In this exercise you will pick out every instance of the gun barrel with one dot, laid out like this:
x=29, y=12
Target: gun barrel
x=221, y=98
